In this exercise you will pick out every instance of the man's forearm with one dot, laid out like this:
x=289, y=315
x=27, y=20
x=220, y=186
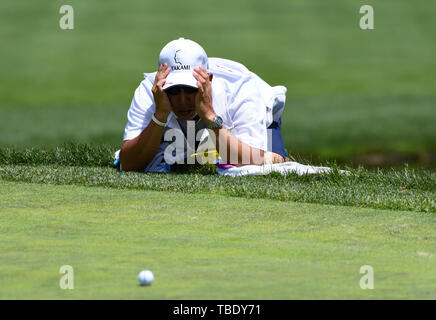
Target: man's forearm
x=233, y=151
x=137, y=153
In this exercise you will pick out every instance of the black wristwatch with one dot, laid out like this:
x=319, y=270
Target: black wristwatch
x=217, y=123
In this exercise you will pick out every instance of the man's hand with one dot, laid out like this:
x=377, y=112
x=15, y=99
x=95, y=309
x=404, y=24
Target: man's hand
x=271, y=158
x=163, y=105
x=203, y=100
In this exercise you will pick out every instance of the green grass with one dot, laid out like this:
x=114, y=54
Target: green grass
x=72, y=154
x=405, y=189
x=206, y=246
x=349, y=91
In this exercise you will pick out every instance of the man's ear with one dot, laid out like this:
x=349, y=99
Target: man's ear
x=210, y=76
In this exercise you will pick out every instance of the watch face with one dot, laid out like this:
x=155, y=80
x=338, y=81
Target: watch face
x=217, y=123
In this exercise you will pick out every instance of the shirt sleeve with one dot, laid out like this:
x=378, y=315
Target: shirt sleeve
x=140, y=112
x=247, y=111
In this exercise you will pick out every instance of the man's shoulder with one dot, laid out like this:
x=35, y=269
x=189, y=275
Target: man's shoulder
x=227, y=65
x=143, y=99
x=229, y=76
x=228, y=70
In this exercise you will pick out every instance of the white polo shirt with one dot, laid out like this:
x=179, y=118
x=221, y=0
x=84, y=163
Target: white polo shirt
x=241, y=98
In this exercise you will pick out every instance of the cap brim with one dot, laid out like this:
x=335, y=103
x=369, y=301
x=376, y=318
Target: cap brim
x=180, y=78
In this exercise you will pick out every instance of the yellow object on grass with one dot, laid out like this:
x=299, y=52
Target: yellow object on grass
x=207, y=157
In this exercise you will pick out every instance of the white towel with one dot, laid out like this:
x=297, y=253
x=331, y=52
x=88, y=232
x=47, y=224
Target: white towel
x=283, y=168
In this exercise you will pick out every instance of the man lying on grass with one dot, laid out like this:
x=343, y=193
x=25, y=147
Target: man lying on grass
x=194, y=104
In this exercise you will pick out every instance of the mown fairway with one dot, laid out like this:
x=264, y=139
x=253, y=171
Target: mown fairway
x=350, y=92
x=206, y=247
x=211, y=237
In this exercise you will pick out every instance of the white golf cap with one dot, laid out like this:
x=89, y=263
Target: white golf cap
x=182, y=55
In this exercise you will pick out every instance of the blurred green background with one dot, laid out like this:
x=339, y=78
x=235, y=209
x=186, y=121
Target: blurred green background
x=351, y=92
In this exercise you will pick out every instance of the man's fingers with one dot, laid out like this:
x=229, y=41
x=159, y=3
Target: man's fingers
x=161, y=75
x=161, y=84
x=158, y=84
x=159, y=81
x=202, y=80
x=163, y=70
x=166, y=70
x=158, y=75
x=201, y=71
x=199, y=78
x=204, y=73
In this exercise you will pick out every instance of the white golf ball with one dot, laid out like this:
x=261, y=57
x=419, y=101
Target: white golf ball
x=145, y=277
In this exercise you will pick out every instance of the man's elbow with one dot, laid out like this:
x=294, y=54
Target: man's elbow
x=125, y=165
x=129, y=161
x=125, y=158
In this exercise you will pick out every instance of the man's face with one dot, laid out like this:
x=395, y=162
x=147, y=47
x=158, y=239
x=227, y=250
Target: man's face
x=182, y=100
